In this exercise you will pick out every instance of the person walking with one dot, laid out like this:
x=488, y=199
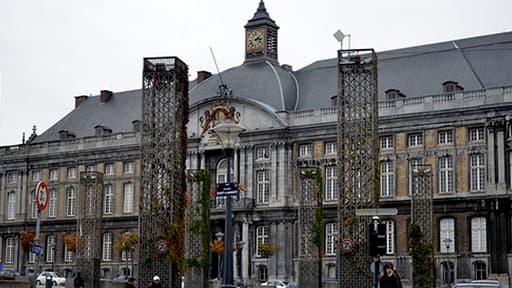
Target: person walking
x=156, y=282
x=78, y=282
x=390, y=278
x=130, y=283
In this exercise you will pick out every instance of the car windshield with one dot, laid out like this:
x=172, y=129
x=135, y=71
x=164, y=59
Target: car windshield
x=58, y=275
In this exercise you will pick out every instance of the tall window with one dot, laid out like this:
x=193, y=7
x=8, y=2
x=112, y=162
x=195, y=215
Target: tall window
x=68, y=255
x=54, y=174
x=52, y=203
x=128, y=197
x=413, y=163
x=390, y=236
x=476, y=134
x=261, y=237
x=71, y=172
x=445, y=137
x=263, y=186
x=415, y=139
x=108, y=206
x=110, y=169
x=331, y=232
x=12, y=177
x=70, y=201
x=446, y=175
x=36, y=175
x=33, y=205
x=11, y=205
x=478, y=235
x=128, y=167
x=387, y=179
x=331, y=183
x=107, y=247
x=126, y=255
x=331, y=148
x=477, y=176
x=10, y=246
x=50, y=249
x=262, y=153
x=386, y=142
x=447, y=231
x=305, y=150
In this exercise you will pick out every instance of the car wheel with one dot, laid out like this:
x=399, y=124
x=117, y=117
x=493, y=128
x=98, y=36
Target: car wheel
x=38, y=282
x=54, y=283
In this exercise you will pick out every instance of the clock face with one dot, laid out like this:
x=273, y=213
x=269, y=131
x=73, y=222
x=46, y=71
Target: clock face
x=255, y=39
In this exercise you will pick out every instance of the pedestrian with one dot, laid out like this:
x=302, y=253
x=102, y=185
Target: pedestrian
x=79, y=282
x=390, y=279
x=156, y=282
x=130, y=283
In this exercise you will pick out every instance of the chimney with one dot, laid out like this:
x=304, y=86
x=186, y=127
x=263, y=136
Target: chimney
x=65, y=134
x=136, y=125
x=202, y=75
x=80, y=99
x=105, y=95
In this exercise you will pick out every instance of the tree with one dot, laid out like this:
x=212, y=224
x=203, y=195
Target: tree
x=126, y=244
x=26, y=240
x=70, y=241
x=267, y=250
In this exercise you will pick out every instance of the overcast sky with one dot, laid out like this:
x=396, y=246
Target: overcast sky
x=53, y=50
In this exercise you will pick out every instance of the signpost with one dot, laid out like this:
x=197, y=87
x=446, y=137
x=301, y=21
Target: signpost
x=227, y=189
x=42, y=203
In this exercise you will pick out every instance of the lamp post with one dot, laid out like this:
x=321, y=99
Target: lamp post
x=228, y=133
x=219, y=236
x=447, y=243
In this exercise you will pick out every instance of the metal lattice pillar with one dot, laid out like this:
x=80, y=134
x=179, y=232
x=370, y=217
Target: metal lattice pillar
x=89, y=201
x=310, y=268
x=357, y=158
x=421, y=201
x=163, y=179
x=198, y=234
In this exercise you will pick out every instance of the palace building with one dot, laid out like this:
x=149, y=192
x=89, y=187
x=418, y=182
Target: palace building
x=447, y=105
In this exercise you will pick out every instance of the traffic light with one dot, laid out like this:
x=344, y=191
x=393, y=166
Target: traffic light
x=377, y=239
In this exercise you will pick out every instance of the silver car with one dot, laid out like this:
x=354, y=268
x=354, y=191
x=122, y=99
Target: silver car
x=57, y=278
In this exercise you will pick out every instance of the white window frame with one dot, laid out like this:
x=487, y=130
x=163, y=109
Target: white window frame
x=446, y=176
x=36, y=175
x=108, y=205
x=331, y=148
x=478, y=235
x=33, y=205
x=50, y=249
x=331, y=234
x=107, y=247
x=447, y=231
x=476, y=134
x=69, y=256
x=387, y=178
x=12, y=177
x=53, y=174
x=52, y=203
x=70, y=201
x=71, y=173
x=263, y=186
x=262, y=153
x=415, y=139
x=477, y=172
x=128, y=194
x=31, y=258
x=90, y=168
x=445, y=137
x=387, y=142
x=126, y=255
x=110, y=169
x=10, y=250
x=262, y=237
x=331, y=183
x=305, y=150
x=11, y=205
x=128, y=167
x=390, y=236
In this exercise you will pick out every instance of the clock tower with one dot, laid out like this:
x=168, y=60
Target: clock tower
x=261, y=36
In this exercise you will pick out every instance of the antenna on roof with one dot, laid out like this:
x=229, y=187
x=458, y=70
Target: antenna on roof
x=223, y=88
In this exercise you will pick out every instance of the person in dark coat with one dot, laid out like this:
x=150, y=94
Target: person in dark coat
x=390, y=278
x=130, y=283
x=156, y=282
x=78, y=282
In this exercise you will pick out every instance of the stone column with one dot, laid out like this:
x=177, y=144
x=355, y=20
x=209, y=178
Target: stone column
x=274, y=187
x=243, y=171
x=491, y=184
x=500, y=147
x=250, y=164
x=283, y=174
x=245, y=251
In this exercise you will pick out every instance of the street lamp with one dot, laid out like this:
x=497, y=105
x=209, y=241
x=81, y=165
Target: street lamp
x=447, y=242
x=228, y=133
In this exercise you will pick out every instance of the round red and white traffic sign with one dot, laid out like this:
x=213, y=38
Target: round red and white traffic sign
x=162, y=247
x=347, y=245
x=41, y=195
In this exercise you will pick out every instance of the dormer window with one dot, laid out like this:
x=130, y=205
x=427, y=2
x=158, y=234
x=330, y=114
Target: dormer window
x=393, y=94
x=451, y=87
x=334, y=101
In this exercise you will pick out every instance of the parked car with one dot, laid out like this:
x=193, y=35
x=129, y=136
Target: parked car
x=57, y=278
x=488, y=281
x=276, y=283
x=7, y=275
x=292, y=285
x=477, y=285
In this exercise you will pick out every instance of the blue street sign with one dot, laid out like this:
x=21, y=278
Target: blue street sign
x=36, y=249
x=227, y=189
